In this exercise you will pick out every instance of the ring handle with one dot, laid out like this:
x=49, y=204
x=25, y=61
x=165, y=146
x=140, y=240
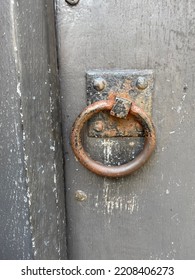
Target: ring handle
x=113, y=171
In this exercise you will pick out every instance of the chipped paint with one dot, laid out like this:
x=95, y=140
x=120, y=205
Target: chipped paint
x=167, y=191
x=18, y=89
x=172, y=132
x=107, y=144
x=112, y=200
x=179, y=108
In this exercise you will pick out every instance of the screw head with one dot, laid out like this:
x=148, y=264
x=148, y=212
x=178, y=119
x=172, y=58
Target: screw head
x=72, y=2
x=141, y=83
x=99, y=84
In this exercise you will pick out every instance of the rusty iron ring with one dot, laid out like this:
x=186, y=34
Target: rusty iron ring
x=113, y=171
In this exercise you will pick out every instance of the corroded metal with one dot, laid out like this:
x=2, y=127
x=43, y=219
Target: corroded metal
x=113, y=171
x=80, y=195
x=136, y=84
x=121, y=108
x=72, y=2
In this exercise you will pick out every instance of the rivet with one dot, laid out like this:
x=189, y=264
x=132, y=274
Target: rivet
x=80, y=195
x=99, y=126
x=141, y=83
x=72, y=2
x=99, y=84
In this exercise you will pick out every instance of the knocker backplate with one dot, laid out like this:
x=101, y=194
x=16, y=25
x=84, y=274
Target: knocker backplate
x=137, y=84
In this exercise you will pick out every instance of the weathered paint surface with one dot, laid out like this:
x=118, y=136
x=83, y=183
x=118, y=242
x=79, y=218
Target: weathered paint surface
x=15, y=237
x=150, y=214
x=31, y=173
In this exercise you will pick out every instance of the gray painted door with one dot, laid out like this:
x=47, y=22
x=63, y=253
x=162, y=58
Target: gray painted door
x=150, y=214
x=32, y=216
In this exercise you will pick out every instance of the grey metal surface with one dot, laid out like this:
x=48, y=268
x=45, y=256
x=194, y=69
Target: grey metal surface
x=32, y=218
x=148, y=215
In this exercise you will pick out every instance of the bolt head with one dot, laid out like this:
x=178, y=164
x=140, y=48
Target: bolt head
x=99, y=126
x=80, y=195
x=72, y=2
x=99, y=84
x=141, y=83
x=138, y=127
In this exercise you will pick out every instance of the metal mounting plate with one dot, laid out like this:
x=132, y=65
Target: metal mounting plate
x=138, y=84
